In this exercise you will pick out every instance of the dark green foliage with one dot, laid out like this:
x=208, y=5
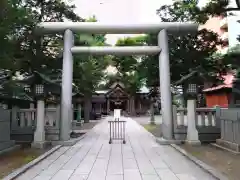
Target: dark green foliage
x=187, y=52
x=128, y=67
x=22, y=50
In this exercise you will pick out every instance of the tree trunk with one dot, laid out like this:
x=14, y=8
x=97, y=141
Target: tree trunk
x=87, y=108
x=132, y=106
x=152, y=120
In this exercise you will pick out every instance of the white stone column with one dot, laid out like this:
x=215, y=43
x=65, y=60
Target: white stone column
x=66, y=93
x=39, y=134
x=165, y=86
x=192, y=133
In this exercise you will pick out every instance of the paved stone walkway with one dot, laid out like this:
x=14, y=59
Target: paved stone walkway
x=92, y=158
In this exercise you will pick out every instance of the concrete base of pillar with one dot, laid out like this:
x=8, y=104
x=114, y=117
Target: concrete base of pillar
x=163, y=141
x=193, y=143
x=192, y=137
x=40, y=145
x=77, y=123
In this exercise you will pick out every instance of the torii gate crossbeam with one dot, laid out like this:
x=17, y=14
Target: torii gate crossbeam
x=94, y=27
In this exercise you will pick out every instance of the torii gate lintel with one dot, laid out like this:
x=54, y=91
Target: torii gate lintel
x=94, y=27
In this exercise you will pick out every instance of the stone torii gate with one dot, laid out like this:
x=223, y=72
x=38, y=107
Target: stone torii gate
x=95, y=27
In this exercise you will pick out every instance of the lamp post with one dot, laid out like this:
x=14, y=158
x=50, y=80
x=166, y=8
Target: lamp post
x=192, y=133
x=39, y=134
x=39, y=90
x=192, y=90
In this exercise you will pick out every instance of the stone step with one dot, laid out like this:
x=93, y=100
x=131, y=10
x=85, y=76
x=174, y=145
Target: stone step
x=225, y=148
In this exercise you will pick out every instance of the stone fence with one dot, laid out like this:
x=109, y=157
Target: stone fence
x=207, y=124
x=211, y=124
x=230, y=129
x=23, y=124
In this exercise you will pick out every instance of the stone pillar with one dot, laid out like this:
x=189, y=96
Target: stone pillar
x=217, y=116
x=79, y=111
x=14, y=118
x=39, y=134
x=31, y=105
x=152, y=118
x=108, y=106
x=165, y=88
x=140, y=106
x=32, y=114
x=100, y=107
x=192, y=133
x=5, y=140
x=132, y=106
x=66, y=96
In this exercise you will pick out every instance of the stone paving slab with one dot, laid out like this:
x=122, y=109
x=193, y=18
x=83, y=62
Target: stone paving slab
x=92, y=158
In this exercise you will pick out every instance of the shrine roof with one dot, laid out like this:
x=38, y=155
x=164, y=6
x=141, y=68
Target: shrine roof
x=143, y=90
x=228, y=83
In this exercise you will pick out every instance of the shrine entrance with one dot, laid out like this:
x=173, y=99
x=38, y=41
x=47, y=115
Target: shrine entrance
x=117, y=97
x=162, y=50
x=118, y=104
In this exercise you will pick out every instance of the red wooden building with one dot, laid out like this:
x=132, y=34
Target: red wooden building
x=220, y=95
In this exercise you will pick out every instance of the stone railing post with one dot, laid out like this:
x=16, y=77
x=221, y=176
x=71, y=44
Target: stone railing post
x=79, y=111
x=58, y=115
x=192, y=132
x=175, y=123
x=14, y=123
x=39, y=134
x=217, y=117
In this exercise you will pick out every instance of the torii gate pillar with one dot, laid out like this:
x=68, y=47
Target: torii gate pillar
x=94, y=27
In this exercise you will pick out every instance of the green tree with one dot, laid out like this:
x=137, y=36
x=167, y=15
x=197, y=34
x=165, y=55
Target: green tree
x=21, y=49
x=13, y=18
x=40, y=53
x=128, y=68
x=88, y=70
x=188, y=52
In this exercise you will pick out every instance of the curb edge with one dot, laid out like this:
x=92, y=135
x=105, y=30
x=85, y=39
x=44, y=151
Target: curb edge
x=29, y=165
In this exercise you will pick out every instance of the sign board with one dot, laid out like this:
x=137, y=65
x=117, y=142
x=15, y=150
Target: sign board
x=117, y=113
